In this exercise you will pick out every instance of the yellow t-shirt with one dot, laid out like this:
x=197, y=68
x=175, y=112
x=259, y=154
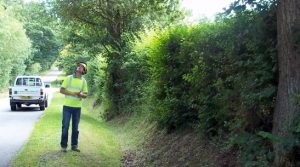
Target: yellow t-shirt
x=76, y=85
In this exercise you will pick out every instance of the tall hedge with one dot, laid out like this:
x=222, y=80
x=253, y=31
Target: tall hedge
x=218, y=77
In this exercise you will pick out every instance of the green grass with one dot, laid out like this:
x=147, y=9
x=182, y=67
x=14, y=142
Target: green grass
x=135, y=129
x=130, y=131
x=97, y=141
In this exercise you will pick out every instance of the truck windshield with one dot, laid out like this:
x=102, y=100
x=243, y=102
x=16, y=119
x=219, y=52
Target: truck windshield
x=29, y=82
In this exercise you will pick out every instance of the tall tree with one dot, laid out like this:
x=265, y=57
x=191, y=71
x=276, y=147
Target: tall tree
x=288, y=25
x=39, y=25
x=15, y=46
x=110, y=24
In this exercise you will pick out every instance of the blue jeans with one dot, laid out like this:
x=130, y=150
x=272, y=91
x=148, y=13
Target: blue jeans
x=69, y=112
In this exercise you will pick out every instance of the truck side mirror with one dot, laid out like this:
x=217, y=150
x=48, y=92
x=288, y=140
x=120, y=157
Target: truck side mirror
x=47, y=85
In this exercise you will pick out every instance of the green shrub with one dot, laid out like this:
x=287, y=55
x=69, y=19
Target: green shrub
x=254, y=149
x=170, y=63
x=218, y=77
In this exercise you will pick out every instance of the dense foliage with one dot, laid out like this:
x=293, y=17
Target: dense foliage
x=40, y=28
x=220, y=77
x=28, y=44
x=14, y=46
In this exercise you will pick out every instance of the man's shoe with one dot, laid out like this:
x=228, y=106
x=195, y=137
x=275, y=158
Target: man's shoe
x=63, y=149
x=75, y=148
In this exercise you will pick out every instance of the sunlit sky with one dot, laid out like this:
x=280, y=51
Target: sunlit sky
x=204, y=8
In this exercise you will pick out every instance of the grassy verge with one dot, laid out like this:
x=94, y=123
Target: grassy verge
x=125, y=141
x=130, y=131
x=96, y=140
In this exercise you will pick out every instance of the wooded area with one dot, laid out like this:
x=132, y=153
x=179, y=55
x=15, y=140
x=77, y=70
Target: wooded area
x=234, y=79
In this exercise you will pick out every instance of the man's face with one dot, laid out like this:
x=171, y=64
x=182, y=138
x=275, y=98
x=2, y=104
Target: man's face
x=80, y=68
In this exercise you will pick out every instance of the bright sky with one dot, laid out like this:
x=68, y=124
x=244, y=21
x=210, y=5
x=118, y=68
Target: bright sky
x=204, y=8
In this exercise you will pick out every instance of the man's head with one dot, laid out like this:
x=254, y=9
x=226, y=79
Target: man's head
x=81, y=67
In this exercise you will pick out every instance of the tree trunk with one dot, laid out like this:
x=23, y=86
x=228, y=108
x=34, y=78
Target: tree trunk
x=289, y=77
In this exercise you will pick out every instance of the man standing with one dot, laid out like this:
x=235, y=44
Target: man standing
x=74, y=87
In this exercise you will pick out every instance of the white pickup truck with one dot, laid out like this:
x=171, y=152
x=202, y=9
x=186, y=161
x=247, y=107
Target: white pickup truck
x=28, y=90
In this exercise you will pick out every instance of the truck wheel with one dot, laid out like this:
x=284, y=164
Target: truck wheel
x=19, y=105
x=13, y=107
x=46, y=103
x=42, y=105
x=42, y=108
